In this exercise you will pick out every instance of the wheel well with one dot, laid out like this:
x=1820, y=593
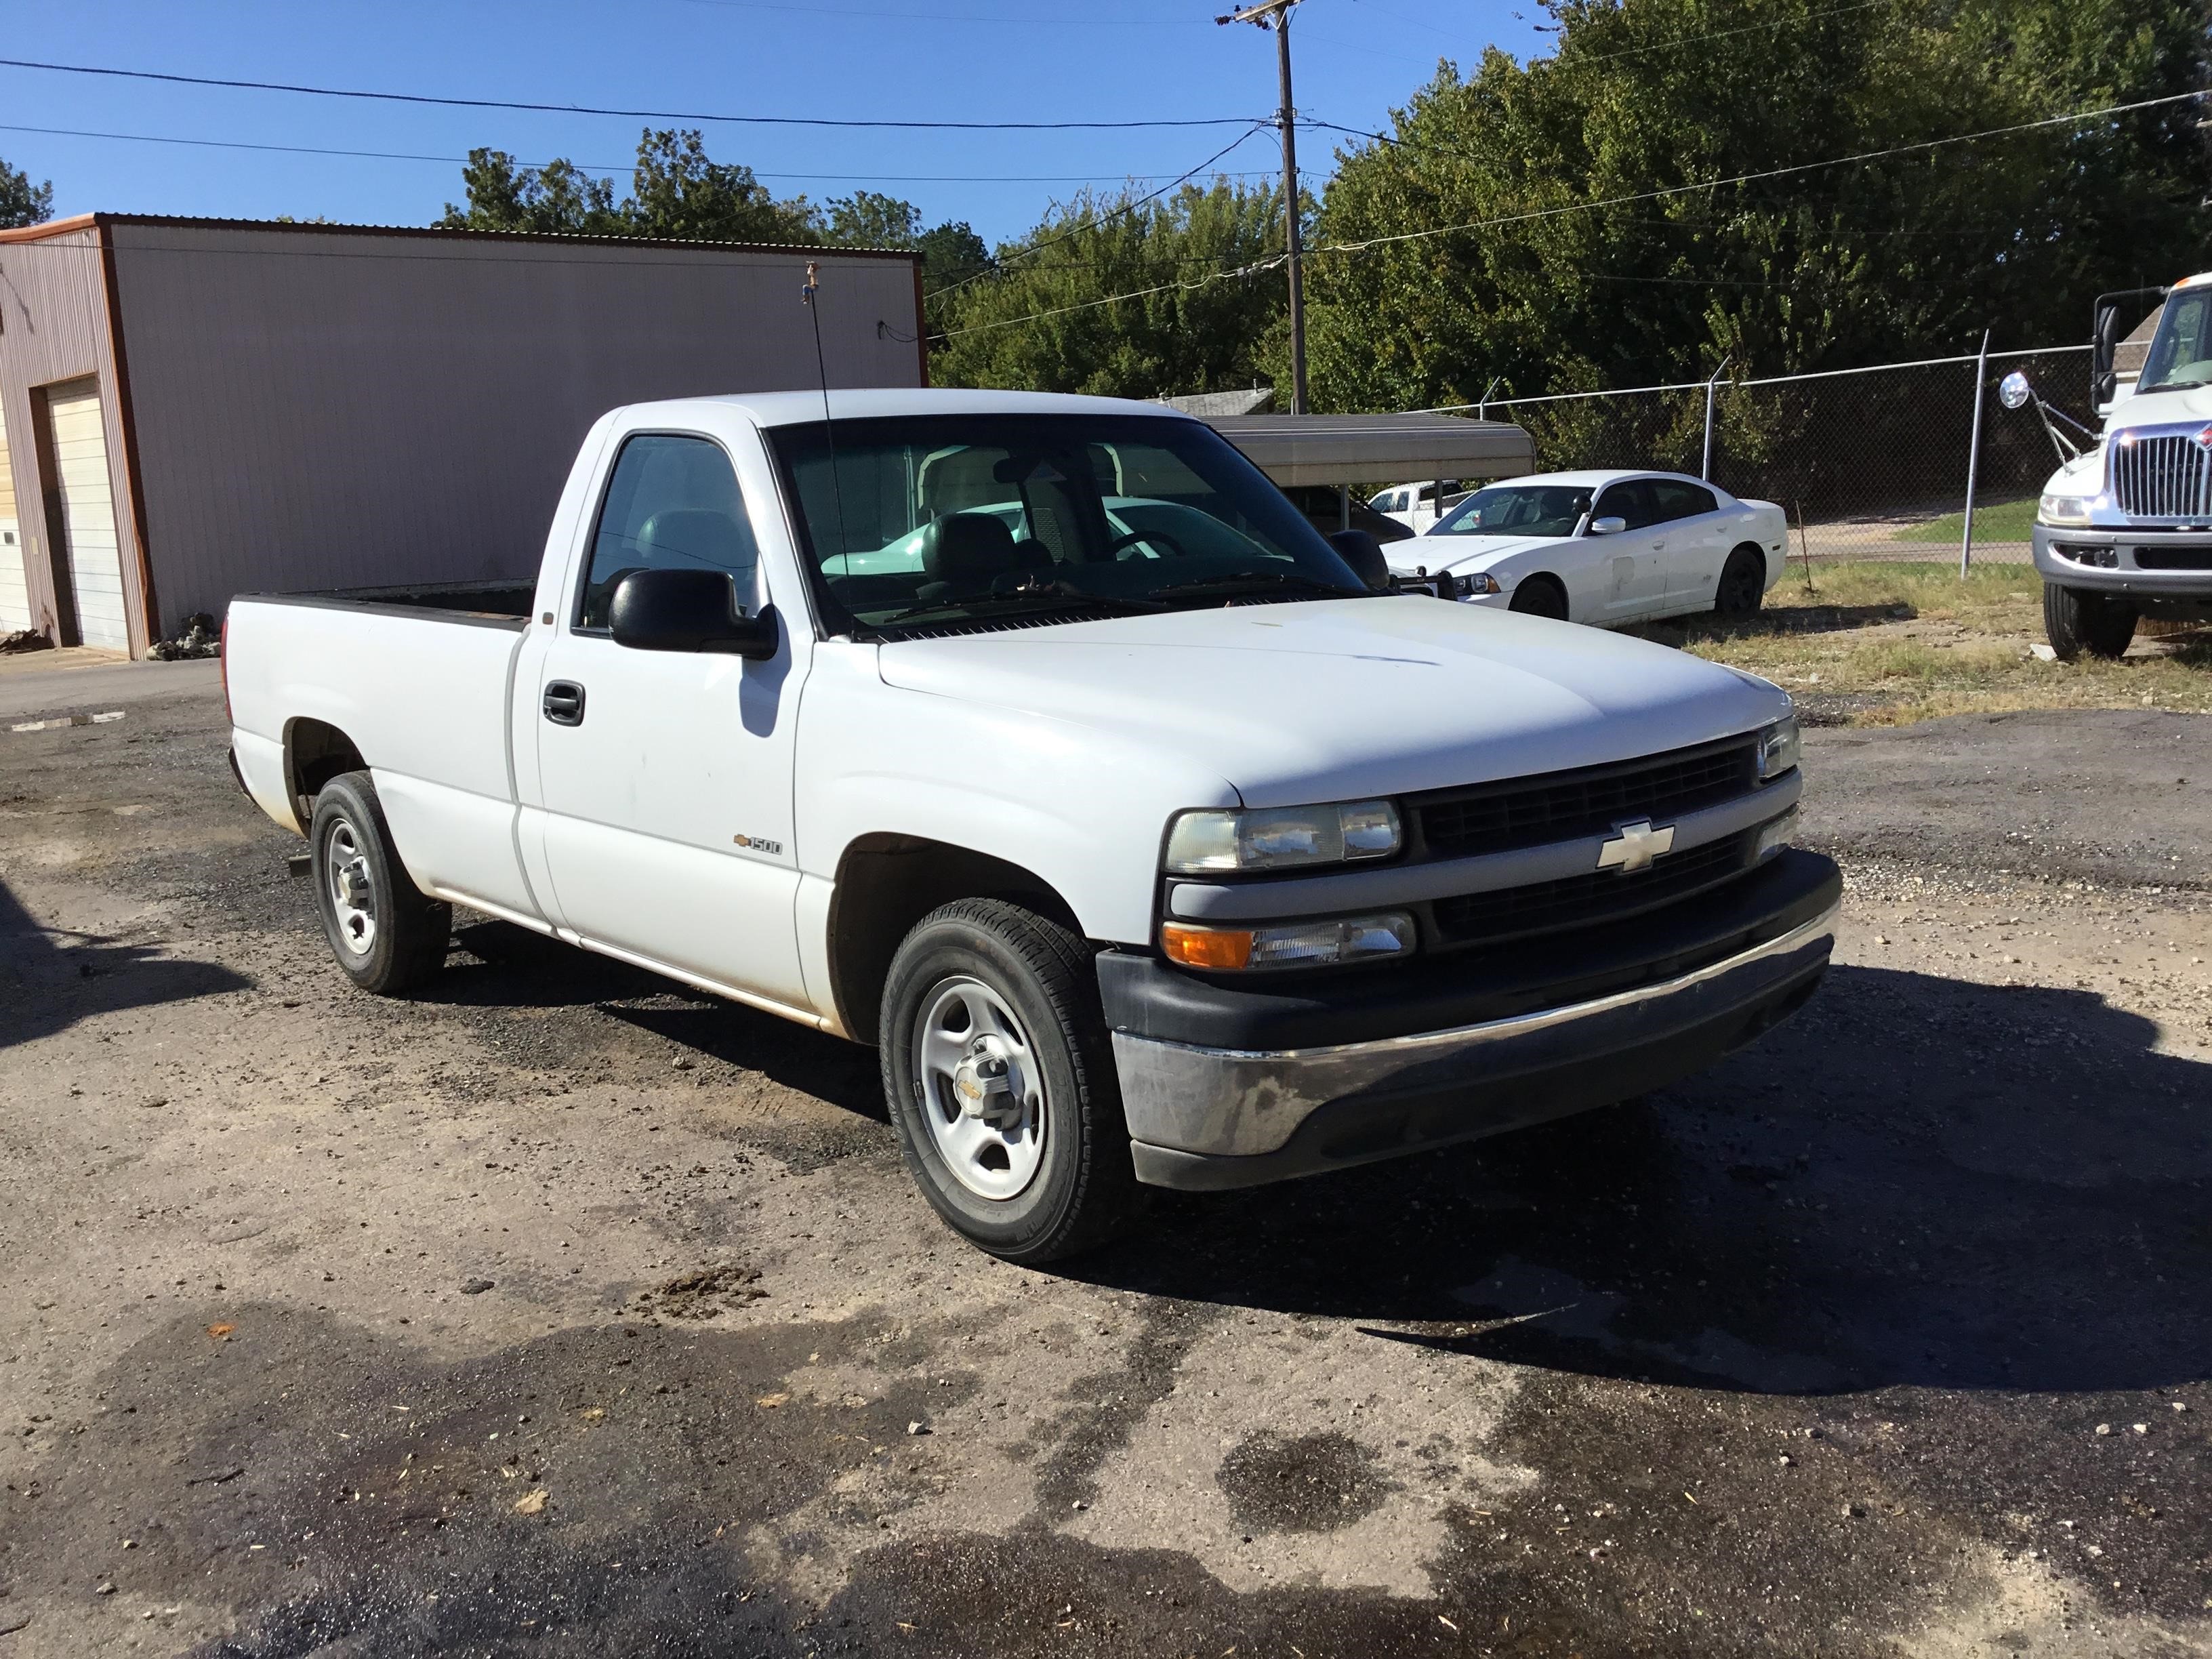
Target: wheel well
x=885, y=885
x=1754, y=549
x=315, y=752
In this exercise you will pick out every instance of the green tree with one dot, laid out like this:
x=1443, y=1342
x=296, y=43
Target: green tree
x=1833, y=267
x=865, y=219
x=953, y=255
x=676, y=191
x=679, y=192
x=21, y=202
x=1044, y=317
x=556, y=197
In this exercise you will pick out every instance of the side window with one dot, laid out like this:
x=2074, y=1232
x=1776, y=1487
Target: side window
x=1681, y=500
x=673, y=502
x=1630, y=502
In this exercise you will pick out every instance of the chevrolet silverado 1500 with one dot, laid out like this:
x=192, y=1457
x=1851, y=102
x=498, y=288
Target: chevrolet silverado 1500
x=1042, y=742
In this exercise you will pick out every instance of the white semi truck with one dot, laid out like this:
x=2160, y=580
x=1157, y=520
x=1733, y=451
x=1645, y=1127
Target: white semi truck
x=2123, y=530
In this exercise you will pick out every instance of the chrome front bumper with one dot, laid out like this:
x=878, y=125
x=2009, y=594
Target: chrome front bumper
x=1208, y=1118
x=2127, y=573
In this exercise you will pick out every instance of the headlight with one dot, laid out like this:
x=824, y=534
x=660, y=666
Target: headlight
x=1280, y=837
x=2064, y=510
x=1292, y=944
x=1776, y=837
x=1777, y=748
x=1475, y=587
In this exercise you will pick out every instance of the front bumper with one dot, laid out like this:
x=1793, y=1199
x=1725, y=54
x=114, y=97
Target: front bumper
x=2142, y=563
x=1206, y=1117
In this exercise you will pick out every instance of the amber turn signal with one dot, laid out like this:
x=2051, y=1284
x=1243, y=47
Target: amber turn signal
x=1207, y=947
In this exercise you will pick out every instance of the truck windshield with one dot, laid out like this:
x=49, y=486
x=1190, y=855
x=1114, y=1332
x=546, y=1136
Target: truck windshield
x=913, y=523
x=2180, y=353
x=1518, y=510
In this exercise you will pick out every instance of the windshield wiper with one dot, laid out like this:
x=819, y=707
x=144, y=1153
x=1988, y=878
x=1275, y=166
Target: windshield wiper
x=1255, y=581
x=2174, y=386
x=1056, y=596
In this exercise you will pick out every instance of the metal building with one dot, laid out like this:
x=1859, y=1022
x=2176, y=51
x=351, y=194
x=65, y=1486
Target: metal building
x=195, y=408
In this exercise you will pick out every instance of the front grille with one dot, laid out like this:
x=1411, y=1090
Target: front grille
x=2166, y=477
x=2174, y=558
x=1568, y=806
x=1579, y=901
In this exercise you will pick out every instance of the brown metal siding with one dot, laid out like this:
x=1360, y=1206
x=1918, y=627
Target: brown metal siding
x=56, y=328
x=318, y=409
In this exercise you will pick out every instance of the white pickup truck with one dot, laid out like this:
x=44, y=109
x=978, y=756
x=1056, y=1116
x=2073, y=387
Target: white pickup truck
x=1041, y=742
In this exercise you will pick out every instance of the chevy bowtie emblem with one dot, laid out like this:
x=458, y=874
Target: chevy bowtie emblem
x=1634, y=846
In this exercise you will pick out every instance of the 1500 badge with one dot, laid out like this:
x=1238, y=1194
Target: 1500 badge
x=755, y=843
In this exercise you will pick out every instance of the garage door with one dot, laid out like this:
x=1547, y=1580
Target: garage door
x=14, y=597
x=95, y=559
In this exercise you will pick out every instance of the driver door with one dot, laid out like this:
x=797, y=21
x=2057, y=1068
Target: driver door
x=1635, y=558
x=666, y=776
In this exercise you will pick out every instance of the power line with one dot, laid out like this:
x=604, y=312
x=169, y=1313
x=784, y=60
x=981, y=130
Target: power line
x=951, y=17
x=612, y=168
x=632, y=114
x=1919, y=147
x=1091, y=224
x=1371, y=243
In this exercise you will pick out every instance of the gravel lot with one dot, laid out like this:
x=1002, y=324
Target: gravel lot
x=562, y=1311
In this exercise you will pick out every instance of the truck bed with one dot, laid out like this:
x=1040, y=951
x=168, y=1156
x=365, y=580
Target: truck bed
x=499, y=605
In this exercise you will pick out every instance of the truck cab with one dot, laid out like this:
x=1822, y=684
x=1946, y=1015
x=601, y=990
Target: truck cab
x=2124, y=529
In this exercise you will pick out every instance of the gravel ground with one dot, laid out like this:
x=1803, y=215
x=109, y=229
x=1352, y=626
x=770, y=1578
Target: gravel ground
x=560, y=1311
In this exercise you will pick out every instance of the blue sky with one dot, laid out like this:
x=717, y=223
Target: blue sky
x=924, y=59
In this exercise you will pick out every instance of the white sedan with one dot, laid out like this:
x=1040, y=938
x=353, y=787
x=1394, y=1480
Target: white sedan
x=1604, y=548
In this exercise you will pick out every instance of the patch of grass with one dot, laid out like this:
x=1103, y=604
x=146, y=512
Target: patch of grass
x=1994, y=521
x=1888, y=644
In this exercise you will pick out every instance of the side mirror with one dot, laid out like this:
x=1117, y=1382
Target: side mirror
x=1611, y=524
x=1359, y=549
x=2013, y=390
x=687, y=610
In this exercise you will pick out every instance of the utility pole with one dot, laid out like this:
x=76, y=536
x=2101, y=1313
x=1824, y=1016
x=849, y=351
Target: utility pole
x=1276, y=15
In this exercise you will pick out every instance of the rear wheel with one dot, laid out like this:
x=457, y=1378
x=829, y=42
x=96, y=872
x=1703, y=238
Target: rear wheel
x=999, y=1077
x=384, y=933
x=1541, y=596
x=2076, y=621
x=1743, y=584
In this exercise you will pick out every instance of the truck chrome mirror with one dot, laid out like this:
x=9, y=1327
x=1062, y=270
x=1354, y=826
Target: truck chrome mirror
x=687, y=610
x=1359, y=549
x=1611, y=524
x=2013, y=390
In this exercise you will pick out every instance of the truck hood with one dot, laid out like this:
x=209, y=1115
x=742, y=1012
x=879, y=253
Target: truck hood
x=1336, y=699
x=2163, y=408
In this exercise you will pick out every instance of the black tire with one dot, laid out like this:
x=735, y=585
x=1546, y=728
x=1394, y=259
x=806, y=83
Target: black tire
x=2076, y=621
x=385, y=935
x=1742, y=587
x=1541, y=596
x=1084, y=1188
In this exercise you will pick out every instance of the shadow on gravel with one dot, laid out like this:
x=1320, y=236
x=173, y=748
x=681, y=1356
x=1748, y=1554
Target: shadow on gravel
x=517, y=969
x=49, y=981
x=1917, y=1181
x=1794, y=618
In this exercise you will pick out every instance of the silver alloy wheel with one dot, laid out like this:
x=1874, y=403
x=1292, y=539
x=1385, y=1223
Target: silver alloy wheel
x=981, y=1087
x=353, y=897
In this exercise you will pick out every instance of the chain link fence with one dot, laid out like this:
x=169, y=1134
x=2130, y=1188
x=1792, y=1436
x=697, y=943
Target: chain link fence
x=1869, y=464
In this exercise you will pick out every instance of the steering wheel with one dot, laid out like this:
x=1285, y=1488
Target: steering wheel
x=1135, y=536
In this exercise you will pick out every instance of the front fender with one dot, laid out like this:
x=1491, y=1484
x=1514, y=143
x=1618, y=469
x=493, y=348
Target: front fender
x=1083, y=809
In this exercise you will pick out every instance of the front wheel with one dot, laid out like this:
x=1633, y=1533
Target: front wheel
x=384, y=933
x=999, y=1077
x=1540, y=595
x=2076, y=621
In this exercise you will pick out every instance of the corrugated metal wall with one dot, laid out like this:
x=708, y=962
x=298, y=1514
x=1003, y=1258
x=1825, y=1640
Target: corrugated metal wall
x=327, y=409
x=14, y=597
x=54, y=328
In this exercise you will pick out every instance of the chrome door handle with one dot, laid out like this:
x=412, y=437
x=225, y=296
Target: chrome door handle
x=564, y=702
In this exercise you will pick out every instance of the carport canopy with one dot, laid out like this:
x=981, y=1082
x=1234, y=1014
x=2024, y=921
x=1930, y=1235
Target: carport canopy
x=1344, y=449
